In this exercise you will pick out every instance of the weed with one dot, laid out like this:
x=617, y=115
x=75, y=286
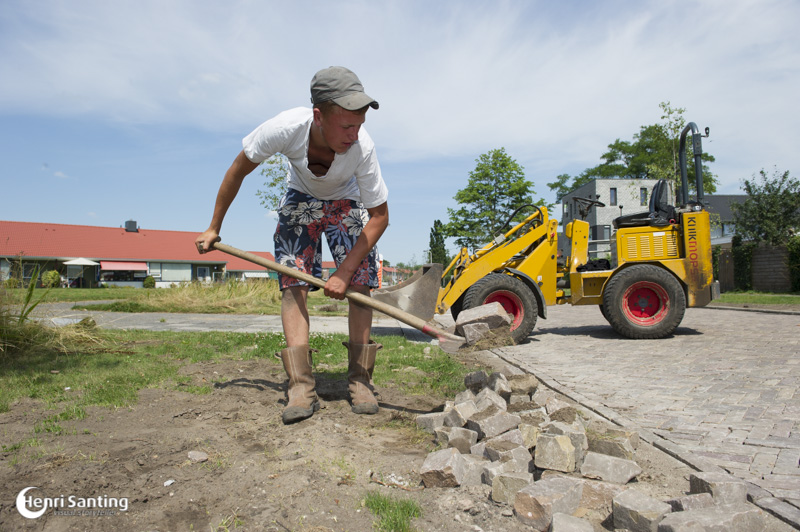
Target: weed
x=229, y=523
x=394, y=515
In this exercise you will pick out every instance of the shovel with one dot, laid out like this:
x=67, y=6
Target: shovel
x=450, y=343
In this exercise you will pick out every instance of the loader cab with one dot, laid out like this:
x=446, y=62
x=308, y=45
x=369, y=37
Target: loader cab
x=660, y=212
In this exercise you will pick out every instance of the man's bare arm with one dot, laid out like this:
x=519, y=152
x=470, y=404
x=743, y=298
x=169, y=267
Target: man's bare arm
x=239, y=169
x=339, y=282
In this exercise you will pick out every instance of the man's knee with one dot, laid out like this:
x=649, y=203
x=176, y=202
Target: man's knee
x=294, y=296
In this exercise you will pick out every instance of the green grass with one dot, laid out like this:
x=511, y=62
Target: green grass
x=75, y=294
x=108, y=368
x=759, y=298
x=394, y=515
x=69, y=369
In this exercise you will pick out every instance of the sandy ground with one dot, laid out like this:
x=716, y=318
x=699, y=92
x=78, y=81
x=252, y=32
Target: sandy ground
x=260, y=474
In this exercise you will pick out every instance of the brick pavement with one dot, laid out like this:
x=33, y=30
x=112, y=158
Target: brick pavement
x=722, y=392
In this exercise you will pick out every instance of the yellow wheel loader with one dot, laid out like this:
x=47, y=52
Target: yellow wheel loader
x=660, y=264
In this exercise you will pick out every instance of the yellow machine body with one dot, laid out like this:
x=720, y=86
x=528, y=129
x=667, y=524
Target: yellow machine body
x=684, y=249
x=529, y=252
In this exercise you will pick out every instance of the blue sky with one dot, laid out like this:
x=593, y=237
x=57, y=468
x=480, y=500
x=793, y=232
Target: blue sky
x=118, y=110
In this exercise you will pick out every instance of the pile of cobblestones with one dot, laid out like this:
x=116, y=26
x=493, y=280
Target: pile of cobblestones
x=550, y=465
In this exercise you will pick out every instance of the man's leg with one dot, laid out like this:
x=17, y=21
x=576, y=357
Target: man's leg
x=359, y=319
x=361, y=356
x=291, y=236
x=302, y=399
x=294, y=315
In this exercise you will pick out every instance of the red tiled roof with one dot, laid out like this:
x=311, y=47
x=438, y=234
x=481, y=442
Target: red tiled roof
x=64, y=242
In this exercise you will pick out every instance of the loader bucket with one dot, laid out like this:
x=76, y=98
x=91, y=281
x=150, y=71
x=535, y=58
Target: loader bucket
x=417, y=295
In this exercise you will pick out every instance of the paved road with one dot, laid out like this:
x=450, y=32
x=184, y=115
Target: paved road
x=722, y=392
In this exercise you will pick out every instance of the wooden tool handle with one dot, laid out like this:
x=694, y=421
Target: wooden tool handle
x=394, y=312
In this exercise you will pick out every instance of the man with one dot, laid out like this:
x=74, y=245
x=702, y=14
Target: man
x=334, y=187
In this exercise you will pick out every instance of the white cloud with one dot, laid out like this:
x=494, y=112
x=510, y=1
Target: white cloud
x=553, y=83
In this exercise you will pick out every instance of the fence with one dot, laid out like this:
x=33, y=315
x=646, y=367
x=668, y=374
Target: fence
x=769, y=267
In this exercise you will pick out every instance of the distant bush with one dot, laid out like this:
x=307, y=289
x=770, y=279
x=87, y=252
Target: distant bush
x=794, y=262
x=51, y=279
x=149, y=282
x=11, y=282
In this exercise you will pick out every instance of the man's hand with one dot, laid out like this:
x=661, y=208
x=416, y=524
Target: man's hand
x=336, y=286
x=204, y=241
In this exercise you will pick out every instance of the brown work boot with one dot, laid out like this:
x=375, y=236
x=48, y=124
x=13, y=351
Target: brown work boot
x=303, y=400
x=359, y=376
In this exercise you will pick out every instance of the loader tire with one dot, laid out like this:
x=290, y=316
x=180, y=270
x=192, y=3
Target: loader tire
x=515, y=297
x=455, y=308
x=644, y=302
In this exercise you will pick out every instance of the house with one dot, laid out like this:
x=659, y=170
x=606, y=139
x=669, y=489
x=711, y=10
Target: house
x=722, y=225
x=620, y=196
x=121, y=256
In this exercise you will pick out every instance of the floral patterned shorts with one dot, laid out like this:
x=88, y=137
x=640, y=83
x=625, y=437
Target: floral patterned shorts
x=302, y=220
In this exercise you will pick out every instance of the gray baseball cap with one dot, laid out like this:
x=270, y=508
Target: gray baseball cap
x=342, y=86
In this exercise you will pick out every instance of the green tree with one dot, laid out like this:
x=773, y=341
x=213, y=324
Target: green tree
x=495, y=189
x=561, y=186
x=436, y=246
x=275, y=170
x=652, y=154
x=771, y=211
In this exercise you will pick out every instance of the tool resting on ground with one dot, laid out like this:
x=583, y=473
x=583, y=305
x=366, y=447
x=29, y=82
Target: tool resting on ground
x=450, y=343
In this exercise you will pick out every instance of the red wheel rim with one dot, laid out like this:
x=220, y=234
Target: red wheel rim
x=645, y=303
x=511, y=303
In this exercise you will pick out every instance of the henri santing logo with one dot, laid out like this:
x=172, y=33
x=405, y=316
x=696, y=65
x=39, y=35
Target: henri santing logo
x=34, y=507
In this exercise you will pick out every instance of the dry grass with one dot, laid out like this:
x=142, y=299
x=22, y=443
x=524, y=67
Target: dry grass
x=250, y=297
x=231, y=295
x=19, y=334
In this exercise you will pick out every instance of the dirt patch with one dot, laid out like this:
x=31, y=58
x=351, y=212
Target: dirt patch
x=260, y=474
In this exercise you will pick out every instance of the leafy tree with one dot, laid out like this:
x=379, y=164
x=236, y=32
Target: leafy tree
x=561, y=186
x=495, y=189
x=275, y=170
x=771, y=211
x=437, y=249
x=653, y=154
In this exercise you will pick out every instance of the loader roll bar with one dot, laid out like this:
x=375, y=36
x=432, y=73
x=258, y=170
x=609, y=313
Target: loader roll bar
x=697, y=148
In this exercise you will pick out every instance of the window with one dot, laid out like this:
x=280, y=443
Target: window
x=176, y=272
x=601, y=232
x=643, y=196
x=612, y=196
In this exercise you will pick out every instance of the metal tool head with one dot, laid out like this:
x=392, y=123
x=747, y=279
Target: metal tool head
x=417, y=295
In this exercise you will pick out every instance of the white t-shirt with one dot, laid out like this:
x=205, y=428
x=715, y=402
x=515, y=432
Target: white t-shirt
x=354, y=174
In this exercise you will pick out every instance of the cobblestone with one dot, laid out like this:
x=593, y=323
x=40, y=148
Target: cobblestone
x=724, y=388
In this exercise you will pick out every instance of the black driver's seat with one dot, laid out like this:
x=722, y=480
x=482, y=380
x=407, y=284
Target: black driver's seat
x=661, y=213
